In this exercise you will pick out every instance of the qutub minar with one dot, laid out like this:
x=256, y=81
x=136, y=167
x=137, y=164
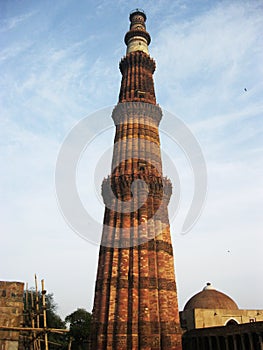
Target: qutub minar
x=135, y=305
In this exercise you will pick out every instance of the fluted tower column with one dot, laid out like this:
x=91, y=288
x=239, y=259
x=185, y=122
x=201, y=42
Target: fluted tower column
x=135, y=305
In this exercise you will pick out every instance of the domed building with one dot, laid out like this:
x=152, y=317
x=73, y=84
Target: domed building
x=210, y=298
x=212, y=308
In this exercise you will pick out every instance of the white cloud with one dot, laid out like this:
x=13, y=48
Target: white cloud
x=224, y=120
x=209, y=59
x=14, y=50
x=13, y=22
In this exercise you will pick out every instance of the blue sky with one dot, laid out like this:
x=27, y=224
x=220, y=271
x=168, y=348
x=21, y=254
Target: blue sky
x=59, y=63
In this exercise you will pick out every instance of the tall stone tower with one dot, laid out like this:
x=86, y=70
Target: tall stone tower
x=135, y=304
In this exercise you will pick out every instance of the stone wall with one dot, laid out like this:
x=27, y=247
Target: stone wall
x=202, y=318
x=11, y=313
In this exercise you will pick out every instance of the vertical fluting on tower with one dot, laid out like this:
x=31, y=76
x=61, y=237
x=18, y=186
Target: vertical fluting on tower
x=135, y=304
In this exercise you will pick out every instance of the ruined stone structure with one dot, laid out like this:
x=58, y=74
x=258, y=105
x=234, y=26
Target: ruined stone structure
x=11, y=313
x=135, y=305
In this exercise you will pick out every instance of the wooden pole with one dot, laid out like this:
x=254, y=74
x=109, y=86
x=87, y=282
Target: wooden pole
x=40, y=330
x=28, y=315
x=37, y=311
x=44, y=313
x=37, y=301
x=32, y=317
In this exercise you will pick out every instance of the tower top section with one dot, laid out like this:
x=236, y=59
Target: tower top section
x=137, y=38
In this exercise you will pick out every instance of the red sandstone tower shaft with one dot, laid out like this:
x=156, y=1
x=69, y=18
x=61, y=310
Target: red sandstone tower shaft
x=135, y=305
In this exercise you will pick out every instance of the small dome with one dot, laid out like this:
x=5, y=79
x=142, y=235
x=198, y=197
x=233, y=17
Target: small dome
x=209, y=298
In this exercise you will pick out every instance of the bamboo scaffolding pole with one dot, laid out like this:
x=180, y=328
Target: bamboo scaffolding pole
x=37, y=302
x=44, y=313
x=32, y=316
x=37, y=311
x=28, y=329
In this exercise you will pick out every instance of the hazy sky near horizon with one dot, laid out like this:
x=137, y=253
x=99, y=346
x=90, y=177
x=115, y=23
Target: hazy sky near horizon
x=59, y=63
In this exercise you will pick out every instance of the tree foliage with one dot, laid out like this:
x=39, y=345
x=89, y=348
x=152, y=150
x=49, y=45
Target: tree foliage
x=79, y=323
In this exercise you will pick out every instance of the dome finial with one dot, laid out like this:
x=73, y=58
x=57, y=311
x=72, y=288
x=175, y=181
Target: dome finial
x=208, y=286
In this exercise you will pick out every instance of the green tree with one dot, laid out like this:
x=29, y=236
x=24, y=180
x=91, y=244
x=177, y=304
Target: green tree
x=79, y=328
